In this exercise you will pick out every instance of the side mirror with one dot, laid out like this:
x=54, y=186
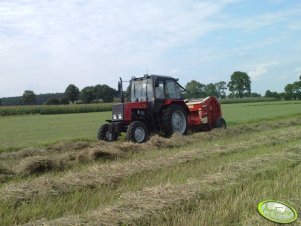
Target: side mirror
x=156, y=83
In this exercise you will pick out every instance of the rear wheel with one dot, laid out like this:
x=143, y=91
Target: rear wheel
x=221, y=123
x=104, y=133
x=174, y=120
x=137, y=132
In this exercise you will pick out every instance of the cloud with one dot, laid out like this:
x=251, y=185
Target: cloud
x=266, y=19
x=260, y=70
x=46, y=45
x=83, y=42
x=298, y=69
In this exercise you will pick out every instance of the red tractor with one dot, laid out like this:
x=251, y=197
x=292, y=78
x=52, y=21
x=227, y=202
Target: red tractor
x=156, y=105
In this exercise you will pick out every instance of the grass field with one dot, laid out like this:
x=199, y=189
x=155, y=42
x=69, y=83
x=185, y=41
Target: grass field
x=28, y=130
x=213, y=178
x=252, y=112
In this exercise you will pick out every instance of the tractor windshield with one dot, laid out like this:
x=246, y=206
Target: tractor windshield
x=141, y=90
x=173, y=90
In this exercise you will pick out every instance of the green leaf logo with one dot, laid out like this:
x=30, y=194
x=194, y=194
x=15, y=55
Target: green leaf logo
x=278, y=212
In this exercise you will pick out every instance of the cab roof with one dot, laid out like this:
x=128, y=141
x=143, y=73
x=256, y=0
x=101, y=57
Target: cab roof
x=146, y=76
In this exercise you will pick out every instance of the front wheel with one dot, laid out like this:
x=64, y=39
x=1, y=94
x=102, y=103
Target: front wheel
x=221, y=123
x=104, y=133
x=137, y=132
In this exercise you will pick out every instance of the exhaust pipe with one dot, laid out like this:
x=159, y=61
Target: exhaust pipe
x=120, y=90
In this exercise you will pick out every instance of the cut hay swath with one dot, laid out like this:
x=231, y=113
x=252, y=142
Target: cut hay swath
x=133, y=207
x=65, y=155
x=146, y=172
x=103, y=174
x=155, y=141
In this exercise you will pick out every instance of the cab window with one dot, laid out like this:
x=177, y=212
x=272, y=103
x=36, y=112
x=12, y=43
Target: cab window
x=159, y=90
x=172, y=90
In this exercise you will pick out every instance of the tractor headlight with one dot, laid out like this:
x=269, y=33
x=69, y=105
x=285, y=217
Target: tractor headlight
x=114, y=117
x=119, y=116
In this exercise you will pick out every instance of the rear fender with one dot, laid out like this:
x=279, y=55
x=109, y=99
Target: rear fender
x=178, y=102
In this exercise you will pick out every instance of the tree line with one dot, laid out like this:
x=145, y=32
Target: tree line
x=239, y=86
x=72, y=94
x=292, y=91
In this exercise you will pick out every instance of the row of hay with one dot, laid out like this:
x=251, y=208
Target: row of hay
x=134, y=207
x=59, y=157
x=154, y=142
x=102, y=174
x=57, y=148
x=41, y=164
x=66, y=154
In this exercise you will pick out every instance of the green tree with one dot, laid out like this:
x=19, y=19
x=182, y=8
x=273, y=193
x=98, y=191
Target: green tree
x=87, y=94
x=98, y=92
x=104, y=92
x=255, y=95
x=221, y=88
x=297, y=89
x=108, y=94
x=195, y=89
x=289, y=92
x=211, y=90
x=72, y=93
x=240, y=84
x=52, y=101
x=269, y=93
x=64, y=100
x=293, y=91
x=29, y=97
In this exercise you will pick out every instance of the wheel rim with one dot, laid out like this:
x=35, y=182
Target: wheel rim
x=223, y=126
x=109, y=136
x=178, y=122
x=139, y=134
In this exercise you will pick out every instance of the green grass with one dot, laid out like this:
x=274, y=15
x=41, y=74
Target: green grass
x=252, y=112
x=208, y=206
x=248, y=100
x=228, y=174
x=236, y=205
x=35, y=130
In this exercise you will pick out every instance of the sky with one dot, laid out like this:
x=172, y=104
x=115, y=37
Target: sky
x=45, y=45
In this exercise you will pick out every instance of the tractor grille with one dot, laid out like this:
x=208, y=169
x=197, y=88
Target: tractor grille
x=117, y=112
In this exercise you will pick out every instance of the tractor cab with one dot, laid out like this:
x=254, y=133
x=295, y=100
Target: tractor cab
x=151, y=87
x=155, y=105
x=155, y=90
